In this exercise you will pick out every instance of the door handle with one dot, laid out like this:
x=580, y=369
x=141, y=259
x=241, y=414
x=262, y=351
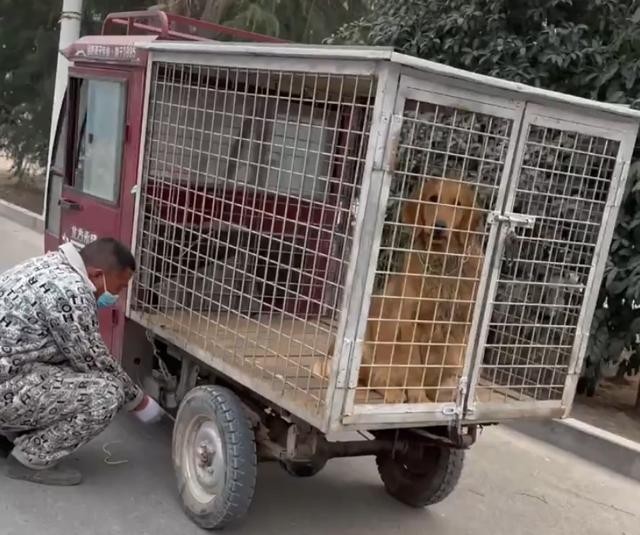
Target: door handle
x=68, y=204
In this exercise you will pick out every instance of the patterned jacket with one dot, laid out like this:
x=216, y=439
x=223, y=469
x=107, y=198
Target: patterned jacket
x=48, y=315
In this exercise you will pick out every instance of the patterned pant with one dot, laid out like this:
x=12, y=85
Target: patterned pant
x=55, y=410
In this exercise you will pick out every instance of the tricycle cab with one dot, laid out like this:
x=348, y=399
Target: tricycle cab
x=93, y=173
x=96, y=152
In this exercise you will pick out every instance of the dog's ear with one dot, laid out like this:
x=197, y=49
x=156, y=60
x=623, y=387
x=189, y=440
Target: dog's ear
x=472, y=218
x=412, y=214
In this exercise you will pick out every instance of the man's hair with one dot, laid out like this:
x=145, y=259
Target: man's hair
x=108, y=254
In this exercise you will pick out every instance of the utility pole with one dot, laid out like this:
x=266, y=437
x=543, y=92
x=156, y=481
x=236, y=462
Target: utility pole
x=69, y=32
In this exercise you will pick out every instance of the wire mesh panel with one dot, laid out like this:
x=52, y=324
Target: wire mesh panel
x=250, y=183
x=449, y=167
x=563, y=183
x=250, y=204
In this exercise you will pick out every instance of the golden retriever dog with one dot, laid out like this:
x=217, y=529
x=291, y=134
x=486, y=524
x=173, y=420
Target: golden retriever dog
x=417, y=330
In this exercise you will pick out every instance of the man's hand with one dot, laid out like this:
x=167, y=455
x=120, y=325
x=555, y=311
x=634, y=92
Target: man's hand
x=148, y=411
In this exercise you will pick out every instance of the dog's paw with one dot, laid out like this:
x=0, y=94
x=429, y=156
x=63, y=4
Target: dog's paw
x=446, y=395
x=417, y=396
x=319, y=368
x=394, y=396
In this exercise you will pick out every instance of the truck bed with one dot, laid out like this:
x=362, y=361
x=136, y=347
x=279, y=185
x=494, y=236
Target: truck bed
x=274, y=348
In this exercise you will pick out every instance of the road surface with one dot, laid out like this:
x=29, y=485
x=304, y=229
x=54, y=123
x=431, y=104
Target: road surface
x=511, y=485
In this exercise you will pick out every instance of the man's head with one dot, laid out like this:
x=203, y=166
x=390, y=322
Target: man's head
x=110, y=266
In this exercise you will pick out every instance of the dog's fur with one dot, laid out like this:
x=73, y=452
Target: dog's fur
x=418, y=328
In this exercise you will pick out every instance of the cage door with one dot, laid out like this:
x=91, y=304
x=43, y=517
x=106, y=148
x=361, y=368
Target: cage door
x=544, y=282
x=449, y=155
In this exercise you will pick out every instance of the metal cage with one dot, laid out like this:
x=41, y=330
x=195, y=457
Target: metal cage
x=371, y=240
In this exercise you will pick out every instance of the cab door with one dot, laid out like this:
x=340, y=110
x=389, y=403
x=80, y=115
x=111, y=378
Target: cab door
x=89, y=197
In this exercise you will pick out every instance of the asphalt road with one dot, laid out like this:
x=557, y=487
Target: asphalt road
x=511, y=485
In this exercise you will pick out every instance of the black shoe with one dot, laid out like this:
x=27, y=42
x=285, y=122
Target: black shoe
x=5, y=446
x=57, y=475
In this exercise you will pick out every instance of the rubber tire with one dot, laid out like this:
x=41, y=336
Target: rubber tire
x=302, y=469
x=225, y=409
x=439, y=474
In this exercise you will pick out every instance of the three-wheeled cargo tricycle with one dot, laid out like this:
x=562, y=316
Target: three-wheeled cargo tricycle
x=333, y=239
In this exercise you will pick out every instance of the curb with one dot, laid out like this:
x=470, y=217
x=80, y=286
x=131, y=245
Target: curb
x=593, y=444
x=21, y=216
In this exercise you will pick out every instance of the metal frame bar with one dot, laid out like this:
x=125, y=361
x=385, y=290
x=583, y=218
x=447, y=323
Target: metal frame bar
x=130, y=20
x=347, y=335
x=499, y=412
x=137, y=229
x=370, y=417
x=350, y=67
x=380, y=154
x=386, y=54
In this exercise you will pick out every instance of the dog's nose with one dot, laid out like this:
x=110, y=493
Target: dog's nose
x=439, y=229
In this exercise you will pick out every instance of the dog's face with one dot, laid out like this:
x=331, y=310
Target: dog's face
x=442, y=210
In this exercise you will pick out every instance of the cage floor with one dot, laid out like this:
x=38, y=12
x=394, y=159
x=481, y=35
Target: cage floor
x=275, y=348
x=278, y=349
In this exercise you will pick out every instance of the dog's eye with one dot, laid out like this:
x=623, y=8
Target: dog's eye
x=433, y=198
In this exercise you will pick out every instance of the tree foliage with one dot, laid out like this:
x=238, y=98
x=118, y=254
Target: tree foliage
x=28, y=56
x=588, y=48
x=27, y=48
x=29, y=38
x=302, y=21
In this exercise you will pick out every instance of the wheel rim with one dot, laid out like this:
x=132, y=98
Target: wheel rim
x=203, y=458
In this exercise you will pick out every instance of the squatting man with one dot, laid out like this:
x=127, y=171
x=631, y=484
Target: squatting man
x=59, y=385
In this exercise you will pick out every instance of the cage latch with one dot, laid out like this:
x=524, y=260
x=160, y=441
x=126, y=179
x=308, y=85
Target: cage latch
x=513, y=221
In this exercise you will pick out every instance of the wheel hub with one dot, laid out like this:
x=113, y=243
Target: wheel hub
x=205, y=455
x=205, y=459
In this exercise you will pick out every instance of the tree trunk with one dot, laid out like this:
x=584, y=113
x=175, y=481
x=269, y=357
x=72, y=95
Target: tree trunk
x=621, y=373
x=177, y=7
x=209, y=10
x=215, y=10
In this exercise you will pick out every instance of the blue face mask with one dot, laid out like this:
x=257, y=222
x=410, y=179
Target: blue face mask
x=106, y=299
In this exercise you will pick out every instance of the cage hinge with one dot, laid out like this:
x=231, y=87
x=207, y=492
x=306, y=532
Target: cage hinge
x=461, y=392
x=463, y=389
x=512, y=220
x=451, y=410
x=345, y=374
x=615, y=197
x=390, y=158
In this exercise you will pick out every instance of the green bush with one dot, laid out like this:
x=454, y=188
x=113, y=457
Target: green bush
x=588, y=48
x=28, y=56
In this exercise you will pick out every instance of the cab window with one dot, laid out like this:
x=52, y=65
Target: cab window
x=99, y=125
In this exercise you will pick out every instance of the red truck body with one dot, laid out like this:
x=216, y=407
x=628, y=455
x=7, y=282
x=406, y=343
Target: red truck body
x=103, y=106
